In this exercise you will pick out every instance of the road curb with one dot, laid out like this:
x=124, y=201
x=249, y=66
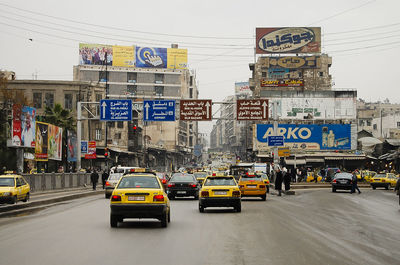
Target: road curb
x=17, y=209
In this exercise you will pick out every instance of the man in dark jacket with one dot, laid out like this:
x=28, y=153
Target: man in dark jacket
x=397, y=188
x=354, y=186
x=94, y=177
x=104, y=178
x=287, y=178
x=278, y=180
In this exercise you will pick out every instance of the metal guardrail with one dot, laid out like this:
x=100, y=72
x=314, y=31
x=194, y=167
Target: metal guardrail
x=55, y=181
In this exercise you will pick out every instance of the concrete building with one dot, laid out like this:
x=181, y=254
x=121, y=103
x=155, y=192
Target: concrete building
x=163, y=145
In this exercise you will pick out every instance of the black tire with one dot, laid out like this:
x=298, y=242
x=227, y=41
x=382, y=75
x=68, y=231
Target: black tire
x=26, y=197
x=387, y=187
x=13, y=200
x=113, y=220
x=238, y=208
x=164, y=220
x=201, y=208
x=196, y=197
x=333, y=190
x=171, y=197
x=373, y=187
x=169, y=216
x=107, y=196
x=264, y=197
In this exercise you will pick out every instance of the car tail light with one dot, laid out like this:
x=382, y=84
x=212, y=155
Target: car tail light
x=383, y=180
x=334, y=181
x=262, y=186
x=108, y=183
x=164, y=181
x=205, y=193
x=116, y=198
x=236, y=193
x=171, y=185
x=158, y=198
x=193, y=185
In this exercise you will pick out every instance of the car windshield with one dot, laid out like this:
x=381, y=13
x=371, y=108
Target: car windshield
x=219, y=182
x=251, y=178
x=200, y=175
x=115, y=176
x=7, y=182
x=149, y=182
x=343, y=176
x=380, y=176
x=182, y=178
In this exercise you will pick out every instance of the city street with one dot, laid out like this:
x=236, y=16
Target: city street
x=312, y=227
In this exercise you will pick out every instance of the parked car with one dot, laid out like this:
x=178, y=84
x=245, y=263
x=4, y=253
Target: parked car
x=183, y=185
x=13, y=188
x=342, y=181
x=385, y=180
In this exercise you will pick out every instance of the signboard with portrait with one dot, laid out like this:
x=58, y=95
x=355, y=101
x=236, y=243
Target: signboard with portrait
x=41, y=141
x=54, y=150
x=23, y=126
x=71, y=146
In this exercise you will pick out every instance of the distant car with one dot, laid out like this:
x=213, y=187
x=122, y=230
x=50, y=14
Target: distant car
x=265, y=179
x=163, y=178
x=183, y=185
x=139, y=195
x=220, y=192
x=342, y=181
x=13, y=188
x=385, y=180
x=252, y=185
x=367, y=175
x=111, y=183
x=200, y=176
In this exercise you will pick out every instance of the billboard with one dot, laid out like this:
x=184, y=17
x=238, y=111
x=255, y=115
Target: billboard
x=278, y=73
x=71, y=146
x=54, y=147
x=282, y=83
x=177, y=58
x=41, y=141
x=23, y=126
x=288, y=40
x=242, y=88
x=149, y=57
x=123, y=56
x=91, y=151
x=95, y=54
x=308, y=136
x=294, y=62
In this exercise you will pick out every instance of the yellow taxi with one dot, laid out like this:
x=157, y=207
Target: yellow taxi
x=367, y=175
x=139, y=195
x=252, y=185
x=385, y=180
x=220, y=191
x=311, y=177
x=13, y=188
x=200, y=176
x=265, y=179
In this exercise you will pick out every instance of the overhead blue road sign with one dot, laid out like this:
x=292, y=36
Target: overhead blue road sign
x=115, y=110
x=275, y=141
x=159, y=110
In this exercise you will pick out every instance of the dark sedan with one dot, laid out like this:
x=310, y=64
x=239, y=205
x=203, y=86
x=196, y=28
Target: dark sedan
x=183, y=185
x=342, y=181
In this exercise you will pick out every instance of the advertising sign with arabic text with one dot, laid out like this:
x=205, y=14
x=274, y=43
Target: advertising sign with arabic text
x=288, y=40
x=54, y=150
x=41, y=141
x=251, y=109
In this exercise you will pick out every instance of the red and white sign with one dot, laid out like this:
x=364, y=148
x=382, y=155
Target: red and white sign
x=196, y=110
x=252, y=109
x=91, y=152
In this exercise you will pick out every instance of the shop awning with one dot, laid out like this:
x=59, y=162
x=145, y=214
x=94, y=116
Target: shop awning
x=315, y=160
x=344, y=157
x=299, y=161
x=118, y=150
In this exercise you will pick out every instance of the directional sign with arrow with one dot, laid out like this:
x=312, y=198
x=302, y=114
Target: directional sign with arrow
x=252, y=109
x=115, y=110
x=159, y=110
x=195, y=110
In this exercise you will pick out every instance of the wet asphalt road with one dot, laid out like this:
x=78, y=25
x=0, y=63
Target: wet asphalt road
x=312, y=227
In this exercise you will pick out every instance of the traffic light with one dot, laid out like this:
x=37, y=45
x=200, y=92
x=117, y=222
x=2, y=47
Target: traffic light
x=106, y=152
x=134, y=127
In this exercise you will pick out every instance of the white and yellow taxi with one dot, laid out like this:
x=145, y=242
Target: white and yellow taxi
x=220, y=191
x=13, y=188
x=139, y=195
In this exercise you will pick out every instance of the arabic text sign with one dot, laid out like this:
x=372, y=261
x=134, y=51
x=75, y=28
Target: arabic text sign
x=84, y=147
x=288, y=40
x=275, y=141
x=309, y=136
x=91, y=154
x=115, y=110
x=282, y=83
x=254, y=109
x=159, y=110
x=295, y=62
x=196, y=110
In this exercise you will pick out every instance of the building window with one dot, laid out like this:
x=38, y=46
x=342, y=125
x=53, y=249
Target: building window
x=68, y=101
x=120, y=124
x=118, y=136
x=159, y=79
x=191, y=92
x=132, y=89
x=320, y=73
x=132, y=77
x=191, y=81
x=375, y=127
x=159, y=90
x=98, y=134
x=264, y=74
x=191, y=141
x=368, y=123
x=49, y=100
x=102, y=76
x=398, y=125
x=111, y=124
x=37, y=100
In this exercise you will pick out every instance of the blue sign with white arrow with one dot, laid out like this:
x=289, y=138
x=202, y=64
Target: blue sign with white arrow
x=275, y=141
x=159, y=110
x=116, y=110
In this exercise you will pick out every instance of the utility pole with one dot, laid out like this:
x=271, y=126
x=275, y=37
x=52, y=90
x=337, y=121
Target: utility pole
x=107, y=92
x=276, y=157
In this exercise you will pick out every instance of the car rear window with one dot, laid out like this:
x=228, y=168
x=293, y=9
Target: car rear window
x=182, y=178
x=220, y=182
x=115, y=176
x=7, y=182
x=138, y=182
x=380, y=176
x=343, y=176
x=200, y=175
x=248, y=178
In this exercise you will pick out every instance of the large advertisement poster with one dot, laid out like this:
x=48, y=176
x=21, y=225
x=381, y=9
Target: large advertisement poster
x=177, y=58
x=16, y=125
x=151, y=57
x=41, y=141
x=242, y=88
x=71, y=146
x=124, y=56
x=288, y=40
x=23, y=126
x=54, y=136
x=308, y=136
x=95, y=54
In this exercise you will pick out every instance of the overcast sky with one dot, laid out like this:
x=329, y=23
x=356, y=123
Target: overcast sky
x=361, y=36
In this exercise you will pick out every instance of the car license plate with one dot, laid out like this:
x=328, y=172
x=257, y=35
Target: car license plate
x=181, y=192
x=135, y=198
x=252, y=186
x=343, y=181
x=220, y=192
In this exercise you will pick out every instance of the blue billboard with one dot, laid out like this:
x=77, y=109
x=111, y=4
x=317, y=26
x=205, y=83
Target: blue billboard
x=151, y=57
x=309, y=136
